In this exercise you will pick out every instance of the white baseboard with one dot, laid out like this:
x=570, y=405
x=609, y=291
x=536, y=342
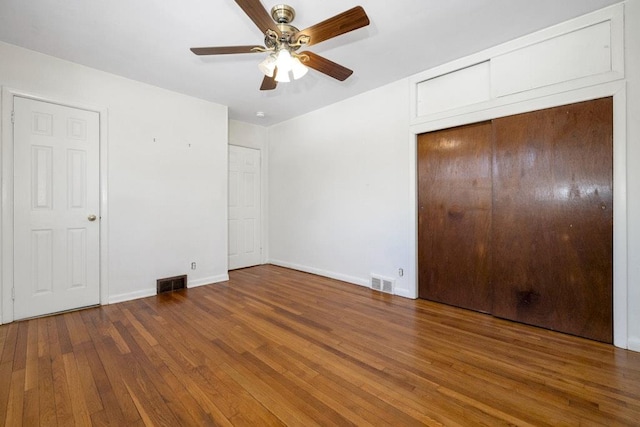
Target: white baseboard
x=113, y=299
x=321, y=272
x=404, y=293
x=633, y=344
x=208, y=280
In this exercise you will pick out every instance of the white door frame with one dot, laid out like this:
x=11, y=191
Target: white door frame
x=260, y=223
x=6, y=195
x=264, y=188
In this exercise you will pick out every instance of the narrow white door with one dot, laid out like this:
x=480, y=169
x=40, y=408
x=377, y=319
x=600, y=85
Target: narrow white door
x=56, y=208
x=244, y=207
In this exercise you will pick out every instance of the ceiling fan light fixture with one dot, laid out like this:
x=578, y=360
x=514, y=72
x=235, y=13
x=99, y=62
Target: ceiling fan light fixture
x=268, y=66
x=282, y=76
x=284, y=62
x=298, y=69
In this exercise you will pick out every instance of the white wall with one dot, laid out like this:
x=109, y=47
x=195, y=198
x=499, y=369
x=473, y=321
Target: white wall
x=341, y=202
x=247, y=135
x=338, y=194
x=167, y=171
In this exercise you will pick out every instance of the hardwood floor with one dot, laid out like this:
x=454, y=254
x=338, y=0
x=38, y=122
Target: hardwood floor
x=279, y=347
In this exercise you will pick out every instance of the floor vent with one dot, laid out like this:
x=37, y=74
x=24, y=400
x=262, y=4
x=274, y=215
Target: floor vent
x=169, y=284
x=382, y=284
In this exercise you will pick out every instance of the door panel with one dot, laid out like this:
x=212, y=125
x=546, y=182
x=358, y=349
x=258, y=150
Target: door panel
x=454, y=216
x=244, y=207
x=56, y=188
x=553, y=219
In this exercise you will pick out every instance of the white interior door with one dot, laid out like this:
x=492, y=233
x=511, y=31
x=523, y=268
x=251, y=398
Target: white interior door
x=56, y=208
x=244, y=207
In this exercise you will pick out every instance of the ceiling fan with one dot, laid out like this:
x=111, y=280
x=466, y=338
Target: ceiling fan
x=282, y=41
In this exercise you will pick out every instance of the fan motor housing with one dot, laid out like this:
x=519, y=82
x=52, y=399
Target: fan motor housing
x=287, y=29
x=283, y=13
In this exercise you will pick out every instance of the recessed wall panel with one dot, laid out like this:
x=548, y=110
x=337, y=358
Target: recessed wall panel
x=578, y=54
x=77, y=258
x=250, y=161
x=249, y=238
x=42, y=124
x=249, y=188
x=234, y=190
x=77, y=129
x=41, y=261
x=457, y=89
x=41, y=178
x=234, y=233
x=76, y=179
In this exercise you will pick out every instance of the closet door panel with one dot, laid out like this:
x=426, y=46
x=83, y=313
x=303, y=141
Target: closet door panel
x=553, y=219
x=454, y=216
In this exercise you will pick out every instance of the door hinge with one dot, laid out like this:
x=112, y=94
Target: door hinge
x=13, y=293
x=13, y=116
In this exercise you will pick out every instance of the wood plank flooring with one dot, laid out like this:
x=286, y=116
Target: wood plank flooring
x=279, y=347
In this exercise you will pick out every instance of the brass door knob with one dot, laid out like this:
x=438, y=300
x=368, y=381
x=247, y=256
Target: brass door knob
x=91, y=217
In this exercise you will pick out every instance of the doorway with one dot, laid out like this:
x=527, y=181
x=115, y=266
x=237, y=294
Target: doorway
x=245, y=222
x=56, y=208
x=537, y=247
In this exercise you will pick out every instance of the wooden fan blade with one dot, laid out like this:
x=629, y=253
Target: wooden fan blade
x=269, y=83
x=326, y=66
x=259, y=15
x=223, y=50
x=342, y=23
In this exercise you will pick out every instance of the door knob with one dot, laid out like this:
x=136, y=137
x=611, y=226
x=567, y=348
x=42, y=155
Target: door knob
x=91, y=217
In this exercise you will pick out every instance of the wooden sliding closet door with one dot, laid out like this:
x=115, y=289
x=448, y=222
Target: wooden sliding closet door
x=454, y=216
x=553, y=219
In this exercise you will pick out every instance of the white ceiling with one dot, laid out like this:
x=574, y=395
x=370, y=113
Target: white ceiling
x=149, y=41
